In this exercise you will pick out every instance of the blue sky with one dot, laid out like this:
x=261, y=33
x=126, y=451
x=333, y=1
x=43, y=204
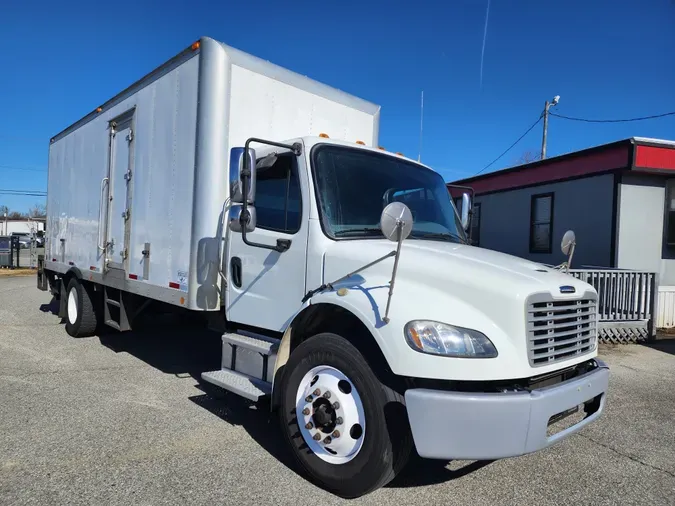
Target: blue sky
x=605, y=58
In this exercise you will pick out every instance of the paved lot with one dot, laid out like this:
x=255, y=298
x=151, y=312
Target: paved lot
x=119, y=419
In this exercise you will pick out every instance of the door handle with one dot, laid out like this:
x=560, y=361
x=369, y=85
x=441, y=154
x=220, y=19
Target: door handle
x=235, y=267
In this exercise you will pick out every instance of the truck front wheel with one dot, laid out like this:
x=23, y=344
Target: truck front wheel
x=342, y=423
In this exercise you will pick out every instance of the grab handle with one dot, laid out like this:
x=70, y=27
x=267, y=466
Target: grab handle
x=104, y=181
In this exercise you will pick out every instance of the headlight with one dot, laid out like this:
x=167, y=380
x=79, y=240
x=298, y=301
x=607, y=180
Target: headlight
x=441, y=339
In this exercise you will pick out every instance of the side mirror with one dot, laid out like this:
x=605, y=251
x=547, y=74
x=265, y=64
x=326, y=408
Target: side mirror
x=466, y=209
x=234, y=218
x=396, y=216
x=568, y=241
x=236, y=167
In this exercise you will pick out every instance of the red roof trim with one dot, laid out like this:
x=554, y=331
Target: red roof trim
x=613, y=157
x=653, y=157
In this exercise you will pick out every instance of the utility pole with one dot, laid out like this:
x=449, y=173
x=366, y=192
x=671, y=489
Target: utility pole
x=547, y=106
x=419, y=154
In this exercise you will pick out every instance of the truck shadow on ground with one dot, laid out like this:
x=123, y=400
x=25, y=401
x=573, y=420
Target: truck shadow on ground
x=52, y=307
x=173, y=345
x=665, y=344
x=178, y=346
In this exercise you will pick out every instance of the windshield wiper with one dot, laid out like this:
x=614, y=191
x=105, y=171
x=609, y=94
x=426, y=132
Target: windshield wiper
x=436, y=235
x=359, y=231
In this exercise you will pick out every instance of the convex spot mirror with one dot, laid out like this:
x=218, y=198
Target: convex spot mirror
x=236, y=168
x=568, y=240
x=234, y=218
x=394, y=215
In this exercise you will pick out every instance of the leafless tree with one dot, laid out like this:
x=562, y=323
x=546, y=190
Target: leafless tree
x=15, y=215
x=38, y=211
x=528, y=157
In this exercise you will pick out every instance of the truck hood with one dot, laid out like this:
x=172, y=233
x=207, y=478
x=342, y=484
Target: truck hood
x=455, y=284
x=452, y=266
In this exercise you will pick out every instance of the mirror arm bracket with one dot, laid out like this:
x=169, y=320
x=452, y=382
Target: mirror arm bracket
x=282, y=244
x=325, y=286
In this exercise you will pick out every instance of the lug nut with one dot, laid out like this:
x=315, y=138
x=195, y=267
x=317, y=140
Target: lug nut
x=327, y=395
x=308, y=398
x=336, y=405
x=339, y=420
x=317, y=392
x=305, y=411
x=309, y=426
x=327, y=440
x=316, y=436
x=336, y=433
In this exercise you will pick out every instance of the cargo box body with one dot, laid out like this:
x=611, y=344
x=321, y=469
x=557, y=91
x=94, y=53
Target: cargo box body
x=137, y=189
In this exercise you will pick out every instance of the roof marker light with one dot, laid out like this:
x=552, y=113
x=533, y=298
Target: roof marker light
x=361, y=143
x=195, y=45
x=324, y=136
x=381, y=147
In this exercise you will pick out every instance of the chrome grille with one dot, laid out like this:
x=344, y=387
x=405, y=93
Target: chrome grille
x=559, y=330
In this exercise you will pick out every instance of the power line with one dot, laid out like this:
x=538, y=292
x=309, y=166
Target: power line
x=585, y=120
x=34, y=193
x=510, y=147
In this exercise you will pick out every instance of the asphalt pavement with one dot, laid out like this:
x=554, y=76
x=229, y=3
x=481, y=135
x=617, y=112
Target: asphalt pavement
x=120, y=419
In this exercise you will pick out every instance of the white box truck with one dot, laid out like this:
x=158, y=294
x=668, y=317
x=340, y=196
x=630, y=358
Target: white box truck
x=227, y=185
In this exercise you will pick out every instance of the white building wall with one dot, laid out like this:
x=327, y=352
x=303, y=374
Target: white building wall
x=20, y=226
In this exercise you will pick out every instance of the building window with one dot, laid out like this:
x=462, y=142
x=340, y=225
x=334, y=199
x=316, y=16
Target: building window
x=670, y=212
x=277, y=199
x=541, y=223
x=475, y=225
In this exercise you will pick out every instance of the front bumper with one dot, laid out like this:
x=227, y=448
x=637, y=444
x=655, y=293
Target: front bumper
x=487, y=426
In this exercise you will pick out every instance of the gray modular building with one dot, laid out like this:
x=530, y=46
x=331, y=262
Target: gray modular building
x=619, y=199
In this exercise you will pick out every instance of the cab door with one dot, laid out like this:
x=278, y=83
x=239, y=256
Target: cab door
x=265, y=288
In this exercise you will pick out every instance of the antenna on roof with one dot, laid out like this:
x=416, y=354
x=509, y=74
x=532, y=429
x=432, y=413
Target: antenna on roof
x=419, y=156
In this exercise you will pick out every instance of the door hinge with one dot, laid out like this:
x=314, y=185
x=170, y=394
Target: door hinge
x=127, y=175
x=124, y=253
x=126, y=214
x=130, y=136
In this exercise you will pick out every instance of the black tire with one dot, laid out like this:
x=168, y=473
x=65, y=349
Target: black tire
x=86, y=322
x=388, y=439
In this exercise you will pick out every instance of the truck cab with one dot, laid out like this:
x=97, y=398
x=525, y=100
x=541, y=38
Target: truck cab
x=482, y=353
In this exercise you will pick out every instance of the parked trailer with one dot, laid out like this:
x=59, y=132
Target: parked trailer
x=210, y=185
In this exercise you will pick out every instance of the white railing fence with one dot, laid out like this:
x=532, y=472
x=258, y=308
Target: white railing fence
x=627, y=302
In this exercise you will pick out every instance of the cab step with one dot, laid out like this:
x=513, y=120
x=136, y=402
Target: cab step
x=241, y=384
x=252, y=342
x=247, y=364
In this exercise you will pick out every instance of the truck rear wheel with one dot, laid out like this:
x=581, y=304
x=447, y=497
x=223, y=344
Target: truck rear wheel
x=81, y=314
x=337, y=417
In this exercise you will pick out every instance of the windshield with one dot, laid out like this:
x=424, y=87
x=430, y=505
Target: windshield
x=354, y=185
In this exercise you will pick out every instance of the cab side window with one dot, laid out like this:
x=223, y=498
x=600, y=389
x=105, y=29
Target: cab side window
x=278, y=201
